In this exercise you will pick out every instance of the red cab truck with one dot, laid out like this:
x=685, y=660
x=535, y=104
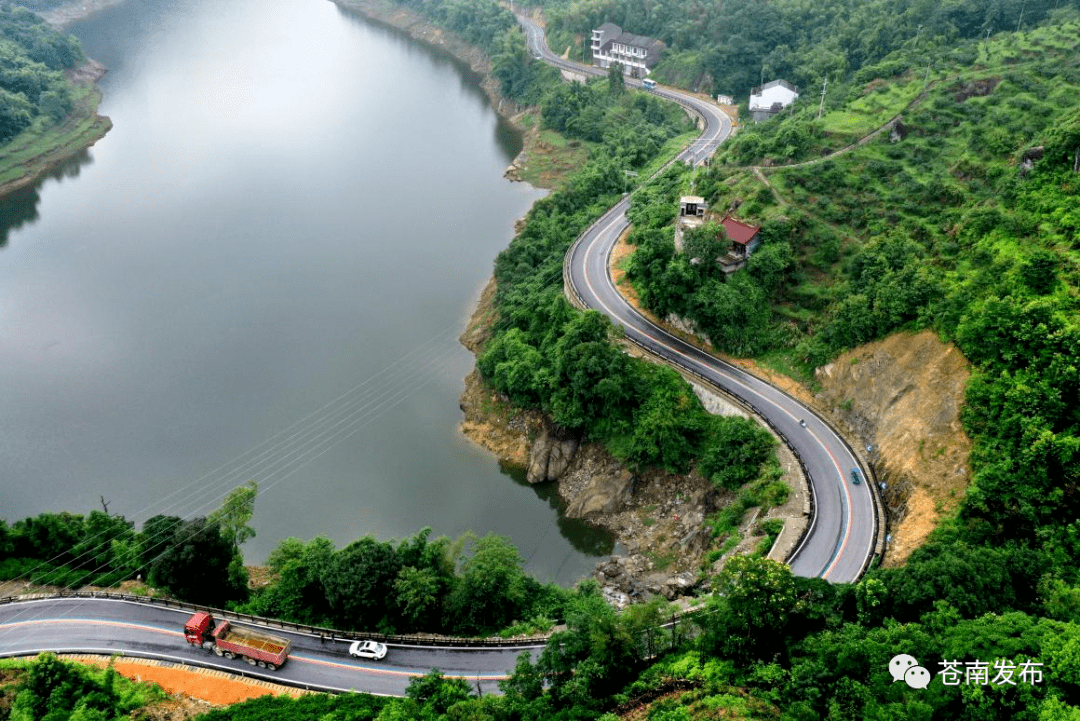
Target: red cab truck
x=254, y=646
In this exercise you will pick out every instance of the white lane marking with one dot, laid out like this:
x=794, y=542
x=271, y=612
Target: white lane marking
x=703, y=143
x=842, y=544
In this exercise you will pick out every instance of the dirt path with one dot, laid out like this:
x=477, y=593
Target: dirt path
x=213, y=688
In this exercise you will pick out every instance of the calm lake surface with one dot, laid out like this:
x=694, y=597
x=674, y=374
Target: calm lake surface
x=261, y=273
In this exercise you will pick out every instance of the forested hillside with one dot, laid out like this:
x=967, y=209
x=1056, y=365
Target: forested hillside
x=738, y=44
x=961, y=219
x=32, y=84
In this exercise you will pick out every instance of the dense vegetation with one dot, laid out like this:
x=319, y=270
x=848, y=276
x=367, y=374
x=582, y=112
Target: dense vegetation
x=33, y=57
x=959, y=226
x=196, y=559
x=729, y=46
x=545, y=354
x=734, y=314
x=468, y=587
x=956, y=224
x=48, y=688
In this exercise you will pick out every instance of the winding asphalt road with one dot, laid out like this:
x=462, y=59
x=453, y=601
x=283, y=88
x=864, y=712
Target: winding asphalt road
x=837, y=547
x=843, y=532
x=83, y=625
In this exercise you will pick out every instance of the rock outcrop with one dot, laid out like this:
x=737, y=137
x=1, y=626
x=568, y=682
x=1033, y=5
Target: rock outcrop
x=550, y=456
x=602, y=495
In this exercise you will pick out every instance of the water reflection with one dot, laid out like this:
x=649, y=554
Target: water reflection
x=231, y=264
x=506, y=136
x=584, y=537
x=20, y=207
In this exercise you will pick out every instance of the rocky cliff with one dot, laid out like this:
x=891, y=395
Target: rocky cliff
x=658, y=518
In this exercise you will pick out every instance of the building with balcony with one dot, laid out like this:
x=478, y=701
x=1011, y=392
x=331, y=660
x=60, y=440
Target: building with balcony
x=638, y=54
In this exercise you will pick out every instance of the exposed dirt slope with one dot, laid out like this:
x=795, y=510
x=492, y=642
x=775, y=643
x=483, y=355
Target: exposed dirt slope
x=902, y=395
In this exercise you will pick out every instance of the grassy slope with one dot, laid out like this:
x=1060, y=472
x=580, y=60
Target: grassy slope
x=37, y=148
x=953, y=148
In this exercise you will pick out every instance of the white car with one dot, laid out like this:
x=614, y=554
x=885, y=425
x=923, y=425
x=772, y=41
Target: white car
x=368, y=649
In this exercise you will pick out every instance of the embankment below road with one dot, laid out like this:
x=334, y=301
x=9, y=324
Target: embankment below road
x=658, y=518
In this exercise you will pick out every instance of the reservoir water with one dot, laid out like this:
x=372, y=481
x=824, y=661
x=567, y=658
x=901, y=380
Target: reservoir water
x=261, y=273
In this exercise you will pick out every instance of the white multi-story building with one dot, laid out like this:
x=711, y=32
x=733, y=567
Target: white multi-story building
x=637, y=54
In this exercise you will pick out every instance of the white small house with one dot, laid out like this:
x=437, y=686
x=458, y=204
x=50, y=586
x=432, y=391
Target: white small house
x=771, y=98
x=691, y=215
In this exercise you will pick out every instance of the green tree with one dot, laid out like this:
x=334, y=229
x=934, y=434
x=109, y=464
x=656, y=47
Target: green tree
x=769, y=266
x=1062, y=142
x=759, y=596
x=668, y=426
x=7, y=543
x=298, y=592
x=437, y=693
x=195, y=563
x=419, y=593
x=54, y=689
x=516, y=368
x=733, y=314
x=526, y=683
x=616, y=82
x=734, y=452
x=1039, y=272
x=703, y=245
x=358, y=582
x=492, y=590
x=48, y=536
x=1060, y=601
x=236, y=512
x=594, y=657
x=95, y=552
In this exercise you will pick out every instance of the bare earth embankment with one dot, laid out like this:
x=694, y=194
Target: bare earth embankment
x=901, y=396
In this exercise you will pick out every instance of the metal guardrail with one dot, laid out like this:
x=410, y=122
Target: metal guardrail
x=240, y=670
x=577, y=299
x=307, y=629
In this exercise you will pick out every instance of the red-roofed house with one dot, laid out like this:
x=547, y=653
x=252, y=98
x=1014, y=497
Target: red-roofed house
x=745, y=239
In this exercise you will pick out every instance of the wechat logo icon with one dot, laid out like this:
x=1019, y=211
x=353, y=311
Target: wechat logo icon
x=905, y=668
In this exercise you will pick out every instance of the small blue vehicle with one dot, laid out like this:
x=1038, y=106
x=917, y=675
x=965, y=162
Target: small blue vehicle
x=856, y=477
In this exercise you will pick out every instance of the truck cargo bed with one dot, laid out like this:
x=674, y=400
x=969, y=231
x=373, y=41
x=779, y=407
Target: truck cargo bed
x=255, y=640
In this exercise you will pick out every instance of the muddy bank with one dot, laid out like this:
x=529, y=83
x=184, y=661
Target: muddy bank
x=421, y=28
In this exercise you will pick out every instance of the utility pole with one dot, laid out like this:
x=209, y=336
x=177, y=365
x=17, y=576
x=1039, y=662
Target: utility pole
x=1022, y=7
x=918, y=32
x=822, y=106
x=105, y=505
